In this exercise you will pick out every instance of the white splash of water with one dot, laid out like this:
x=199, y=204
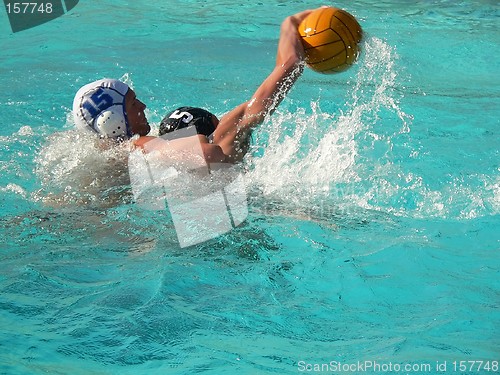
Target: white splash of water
x=323, y=150
x=348, y=159
x=75, y=167
x=311, y=158
x=14, y=188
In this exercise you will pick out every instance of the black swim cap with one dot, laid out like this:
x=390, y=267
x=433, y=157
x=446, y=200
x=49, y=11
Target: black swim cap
x=184, y=117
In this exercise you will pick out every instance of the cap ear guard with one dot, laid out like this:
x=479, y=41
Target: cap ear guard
x=112, y=123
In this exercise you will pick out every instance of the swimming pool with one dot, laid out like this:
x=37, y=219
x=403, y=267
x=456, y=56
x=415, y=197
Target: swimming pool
x=373, y=195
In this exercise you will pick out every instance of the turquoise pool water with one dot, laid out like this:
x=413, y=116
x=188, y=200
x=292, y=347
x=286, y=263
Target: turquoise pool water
x=374, y=197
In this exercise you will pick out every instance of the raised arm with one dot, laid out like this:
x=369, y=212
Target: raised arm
x=233, y=132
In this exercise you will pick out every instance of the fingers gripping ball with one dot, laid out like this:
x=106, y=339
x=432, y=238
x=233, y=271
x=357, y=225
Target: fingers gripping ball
x=330, y=37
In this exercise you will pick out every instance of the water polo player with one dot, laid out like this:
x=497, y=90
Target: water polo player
x=230, y=138
x=98, y=106
x=203, y=121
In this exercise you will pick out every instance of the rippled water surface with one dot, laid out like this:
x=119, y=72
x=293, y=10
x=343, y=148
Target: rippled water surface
x=373, y=196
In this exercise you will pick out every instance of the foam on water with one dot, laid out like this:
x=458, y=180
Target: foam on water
x=361, y=157
x=76, y=168
x=378, y=238
x=353, y=159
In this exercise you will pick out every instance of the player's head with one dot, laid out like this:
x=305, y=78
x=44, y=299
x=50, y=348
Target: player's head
x=184, y=117
x=110, y=108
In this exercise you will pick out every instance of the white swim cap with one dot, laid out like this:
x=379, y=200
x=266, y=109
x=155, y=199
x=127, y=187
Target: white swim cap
x=100, y=107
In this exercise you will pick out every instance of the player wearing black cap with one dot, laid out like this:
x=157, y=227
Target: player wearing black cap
x=228, y=140
x=184, y=117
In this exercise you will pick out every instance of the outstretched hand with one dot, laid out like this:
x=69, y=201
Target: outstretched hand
x=290, y=48
x=232, y=133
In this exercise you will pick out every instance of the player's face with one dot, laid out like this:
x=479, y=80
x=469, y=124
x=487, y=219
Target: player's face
x=135, y=114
